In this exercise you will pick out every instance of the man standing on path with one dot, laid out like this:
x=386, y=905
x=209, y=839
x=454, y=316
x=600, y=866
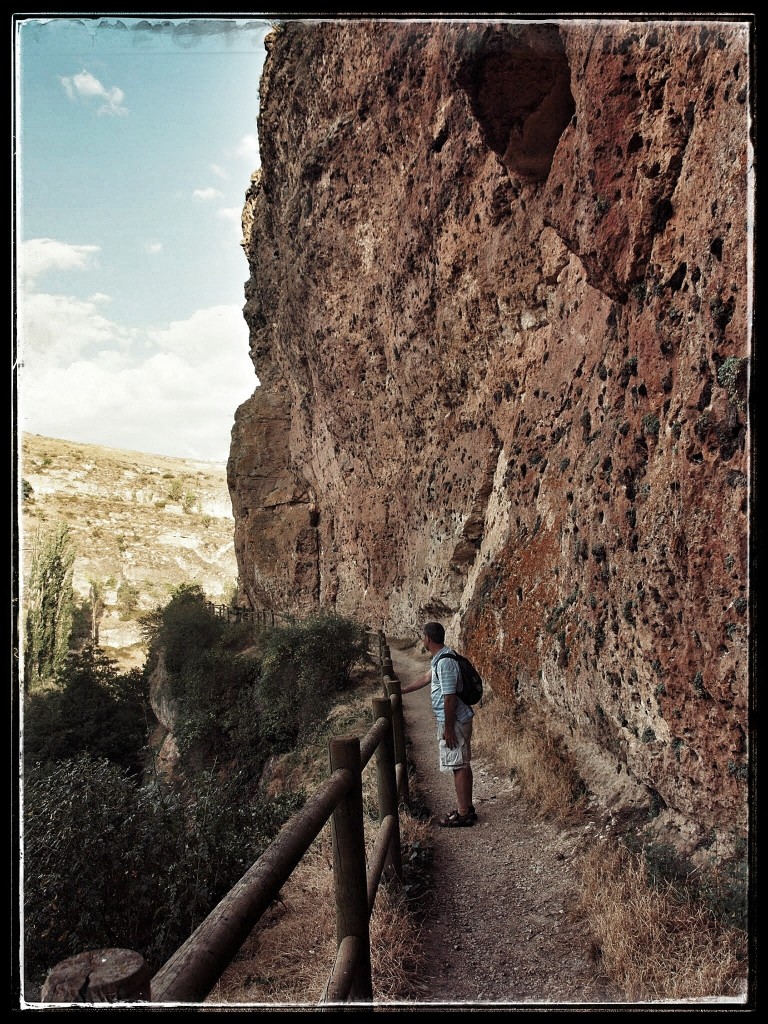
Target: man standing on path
x=454, y=723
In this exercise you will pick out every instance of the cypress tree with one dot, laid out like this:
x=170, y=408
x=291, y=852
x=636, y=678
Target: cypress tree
x=50, y=606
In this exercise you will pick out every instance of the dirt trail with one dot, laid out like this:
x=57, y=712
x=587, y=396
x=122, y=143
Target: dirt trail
x=500, y=932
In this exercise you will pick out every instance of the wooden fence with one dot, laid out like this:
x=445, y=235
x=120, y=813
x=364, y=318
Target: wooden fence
x=258, y=616
x=120, y=976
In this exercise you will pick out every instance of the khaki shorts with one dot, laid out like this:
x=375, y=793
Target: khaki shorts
x=459, y=756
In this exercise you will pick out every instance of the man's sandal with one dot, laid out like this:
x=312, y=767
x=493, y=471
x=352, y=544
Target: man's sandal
x=456, y=820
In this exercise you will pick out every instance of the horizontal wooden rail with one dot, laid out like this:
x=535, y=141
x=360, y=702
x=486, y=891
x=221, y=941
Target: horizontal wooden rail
x=378, y=857
x=372, y=739
x=196, y=966
x=339, y=985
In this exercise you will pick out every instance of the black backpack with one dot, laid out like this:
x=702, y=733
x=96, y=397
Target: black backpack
x=471, y=691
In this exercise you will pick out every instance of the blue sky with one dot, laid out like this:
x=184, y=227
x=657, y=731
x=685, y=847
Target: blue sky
x=136, y=140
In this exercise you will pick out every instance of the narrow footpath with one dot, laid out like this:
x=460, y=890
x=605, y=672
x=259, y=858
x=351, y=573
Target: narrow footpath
x=501, y=930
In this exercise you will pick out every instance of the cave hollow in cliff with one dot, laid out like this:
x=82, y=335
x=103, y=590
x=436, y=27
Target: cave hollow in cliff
x=518, y=83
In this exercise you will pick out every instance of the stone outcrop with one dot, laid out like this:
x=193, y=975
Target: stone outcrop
x=500, y=310
x=167, y=756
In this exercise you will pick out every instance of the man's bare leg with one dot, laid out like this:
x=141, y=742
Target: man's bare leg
x=462, y=780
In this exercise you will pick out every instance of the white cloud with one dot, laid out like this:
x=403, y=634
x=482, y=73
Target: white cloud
x=56, y=330
x=220, y=172
x=86, y=86
x=197, y=338
x=206, y=193
x=172, y=391
x=39, y=255
x=233, y=216
x=153, y=248
x=249, y=149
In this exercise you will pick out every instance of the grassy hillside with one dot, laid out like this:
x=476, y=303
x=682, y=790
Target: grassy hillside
x=142, y=524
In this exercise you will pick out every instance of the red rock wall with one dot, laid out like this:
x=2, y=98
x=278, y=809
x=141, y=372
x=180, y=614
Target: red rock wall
x=499, y=305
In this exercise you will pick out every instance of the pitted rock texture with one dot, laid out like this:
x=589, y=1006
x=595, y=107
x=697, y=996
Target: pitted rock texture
x=499, y=308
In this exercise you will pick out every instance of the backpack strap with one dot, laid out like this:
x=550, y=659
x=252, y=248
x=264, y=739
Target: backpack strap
x=453, y=657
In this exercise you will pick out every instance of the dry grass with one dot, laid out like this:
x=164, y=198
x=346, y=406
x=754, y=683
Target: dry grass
x=289, y=956
x=651, y=942
x=397, y=959
x=534, y=757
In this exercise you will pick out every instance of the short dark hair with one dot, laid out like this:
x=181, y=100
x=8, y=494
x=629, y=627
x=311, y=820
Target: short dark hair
x=435, y=632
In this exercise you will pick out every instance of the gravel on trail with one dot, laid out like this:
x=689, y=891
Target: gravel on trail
x=501, y=929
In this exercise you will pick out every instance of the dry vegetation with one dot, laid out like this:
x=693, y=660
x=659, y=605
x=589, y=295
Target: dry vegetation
x=535, y=757
x=290, y=954
x=654, y=941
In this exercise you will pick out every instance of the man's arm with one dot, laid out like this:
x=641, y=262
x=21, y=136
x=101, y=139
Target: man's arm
x=449, y=732
x=418, y=683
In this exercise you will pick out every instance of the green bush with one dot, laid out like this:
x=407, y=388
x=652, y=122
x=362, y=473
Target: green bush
x=175, y=490
x=82, y=624
x=110, y=864
x=93, y=709
x=303, y=667
x=323, y=648
x=182, y=629
x=215, y=700
x=238, y=700
x=212, y=680
x=128, y=595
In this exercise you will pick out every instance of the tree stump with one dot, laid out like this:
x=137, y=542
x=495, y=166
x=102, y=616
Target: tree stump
x=99, y=976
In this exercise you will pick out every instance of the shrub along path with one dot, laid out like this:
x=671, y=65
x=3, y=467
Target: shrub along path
x=501, y=930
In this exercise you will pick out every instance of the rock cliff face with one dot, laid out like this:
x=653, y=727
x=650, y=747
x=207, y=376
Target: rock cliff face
x=500, y=309
x=140, y=525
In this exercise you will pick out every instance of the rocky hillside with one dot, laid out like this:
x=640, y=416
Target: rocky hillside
x=141, y=525
x=499, y=305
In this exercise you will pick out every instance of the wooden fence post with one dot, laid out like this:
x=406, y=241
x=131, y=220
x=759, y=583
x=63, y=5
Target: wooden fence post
x=393, y=688
x=99, y=976
x=349, y=871
x=386, y=782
